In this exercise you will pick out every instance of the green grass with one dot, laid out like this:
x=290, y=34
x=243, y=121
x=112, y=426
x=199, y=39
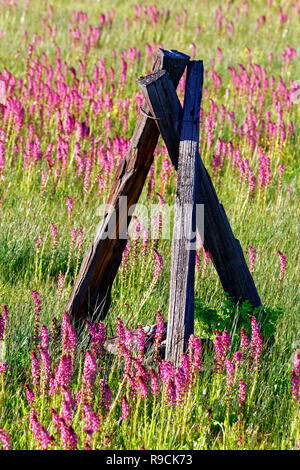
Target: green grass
x=268, y=223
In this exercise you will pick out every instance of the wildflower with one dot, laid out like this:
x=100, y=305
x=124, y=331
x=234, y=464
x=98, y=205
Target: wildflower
x=63, y=373
x=143, y=387
x=244, y=342
x=251, y=258
x=140, y=343
x=54, y=234
x=68, y=435
x=41, y=435
x=256, y=341
x=218, y=349
x=158, y=266
x=29, y=395
x=107, y=398
x=242, y=394
x=37, y=308
x=237, y=357
x=66, y=412
x=179, y=384
x=230, y=373
x=2, y=327
x=5, y=313
x=98, y=338
x=154, y=382
x=125, y=409
x=55, y=418
x=296, y=376
x=69, y=337
x=186, y=366
x=35, y=369
x=91, y=419
x=46, y=366
x=282, y=259
x=70, y=205
x=5, y=439
x=89, y=375
x=158, y=333
x=206, y=260
x=195, y=351
x=60, y=283
x=44, y=337
x=121, y=334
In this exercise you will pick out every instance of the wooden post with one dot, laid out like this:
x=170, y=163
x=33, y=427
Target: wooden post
x=181, y=302
x=91, y=291
x=225, y=250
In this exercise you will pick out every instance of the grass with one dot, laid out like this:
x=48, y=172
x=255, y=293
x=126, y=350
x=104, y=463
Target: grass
x=268, y=221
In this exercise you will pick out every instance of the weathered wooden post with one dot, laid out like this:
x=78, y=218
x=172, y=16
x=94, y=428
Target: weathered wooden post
x=181, y=301
x=91, y=291
x=225, y=250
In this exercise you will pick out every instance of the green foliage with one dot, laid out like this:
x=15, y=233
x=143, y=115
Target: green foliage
x=233, y=317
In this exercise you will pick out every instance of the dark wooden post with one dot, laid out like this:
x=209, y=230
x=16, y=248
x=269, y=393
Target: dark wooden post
x=91, y=291
x=225, y=250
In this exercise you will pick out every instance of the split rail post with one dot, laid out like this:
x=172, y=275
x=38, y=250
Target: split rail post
x=181, y=301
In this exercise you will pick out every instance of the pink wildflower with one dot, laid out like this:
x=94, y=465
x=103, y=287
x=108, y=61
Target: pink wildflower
x=5, y=439
x=125, y=408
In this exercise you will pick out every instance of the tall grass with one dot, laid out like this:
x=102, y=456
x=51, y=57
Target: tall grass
x=250, y=70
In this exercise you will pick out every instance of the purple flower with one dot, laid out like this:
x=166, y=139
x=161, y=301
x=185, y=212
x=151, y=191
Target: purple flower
x=68, y=435
x=244, y=342
x=140, y=342
x=230, y=373
x=158, y=266
x=35, y=369
x=296, y=376
x=256, y=343
x=154, y=382
x=282, y=259
x=195, y=351
x=125, y=409
x=5, y=439
x=30, y=395
x=242, y=394
x=89, y=375
x=251, y=258
x=158, y=333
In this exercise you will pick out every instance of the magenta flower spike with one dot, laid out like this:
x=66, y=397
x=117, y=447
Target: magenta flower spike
x=2, y=327
x=230, y=368
x=244, y=342
x=154, y=382
x=125, y=411
x=158, y=266
x=140, y=342
x=44, y=337
x=5, y=440
x=35, y=369
x=252, y=258
x=241, y=394
x=160, y=326
x=195, y=351
x=296, y=376
x=68, y=436
x=143, y=387
x=256, y=343
x=282, y=259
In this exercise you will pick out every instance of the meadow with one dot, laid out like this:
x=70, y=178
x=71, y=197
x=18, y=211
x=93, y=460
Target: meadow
x=69, y=101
